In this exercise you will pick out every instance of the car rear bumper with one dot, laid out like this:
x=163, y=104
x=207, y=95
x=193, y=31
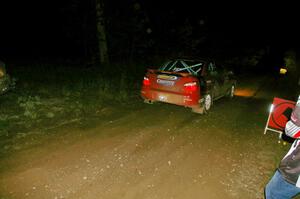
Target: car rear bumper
x=189, y=100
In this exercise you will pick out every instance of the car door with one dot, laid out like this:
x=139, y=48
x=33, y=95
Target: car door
x=225, y=79
x=214, y=76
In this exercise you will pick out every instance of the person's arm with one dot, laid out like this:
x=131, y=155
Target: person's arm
x=292, y=127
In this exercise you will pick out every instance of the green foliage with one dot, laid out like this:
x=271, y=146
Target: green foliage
x=4, y=125
x=30, y=105
x=292, y=80
x=130, y=34
x=246, y=60
x=290, y=61
x=47, y=96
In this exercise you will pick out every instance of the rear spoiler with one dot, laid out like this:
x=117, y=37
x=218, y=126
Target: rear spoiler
x=168, y=72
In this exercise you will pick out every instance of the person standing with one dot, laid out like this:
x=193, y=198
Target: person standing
x=285, y=182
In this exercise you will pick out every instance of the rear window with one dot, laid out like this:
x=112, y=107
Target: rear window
x=183, y=66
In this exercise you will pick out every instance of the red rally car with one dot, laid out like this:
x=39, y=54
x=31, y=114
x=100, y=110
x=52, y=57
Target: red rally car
x=190, y=83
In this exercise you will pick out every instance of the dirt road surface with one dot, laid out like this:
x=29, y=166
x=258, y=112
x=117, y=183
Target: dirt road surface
x=151, y=151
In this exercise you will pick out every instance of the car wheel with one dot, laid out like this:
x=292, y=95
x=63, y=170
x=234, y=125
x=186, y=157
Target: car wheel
x=231, y=91
x=204, y=105
x=207, y=103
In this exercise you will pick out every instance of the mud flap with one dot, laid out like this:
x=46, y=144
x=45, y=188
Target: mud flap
x=198, y=109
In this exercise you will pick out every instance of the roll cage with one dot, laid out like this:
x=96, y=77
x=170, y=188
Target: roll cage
x=193, y=67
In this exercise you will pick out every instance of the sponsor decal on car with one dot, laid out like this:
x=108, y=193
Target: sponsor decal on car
x=165, y=82
x=167, y=77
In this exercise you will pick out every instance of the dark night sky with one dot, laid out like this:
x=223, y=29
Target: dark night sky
x=37, y=28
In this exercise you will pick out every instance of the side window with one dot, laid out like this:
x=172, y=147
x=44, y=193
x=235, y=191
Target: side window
x=212, y=69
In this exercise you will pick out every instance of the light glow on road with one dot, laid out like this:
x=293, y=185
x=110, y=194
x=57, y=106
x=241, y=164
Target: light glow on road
x=244, y=92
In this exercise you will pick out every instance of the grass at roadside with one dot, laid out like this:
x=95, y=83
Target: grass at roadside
x=49, y=96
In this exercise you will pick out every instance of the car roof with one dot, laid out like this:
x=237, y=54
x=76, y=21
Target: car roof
x=191, y=59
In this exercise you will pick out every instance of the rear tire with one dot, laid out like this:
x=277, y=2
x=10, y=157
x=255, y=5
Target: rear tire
x=207, y=103
x=204, y=106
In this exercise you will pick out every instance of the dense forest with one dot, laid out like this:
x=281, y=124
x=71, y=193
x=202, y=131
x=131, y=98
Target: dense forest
x=146, y=30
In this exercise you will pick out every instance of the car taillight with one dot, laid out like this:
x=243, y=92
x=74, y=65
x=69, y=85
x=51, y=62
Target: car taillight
x=190, y=87
x=146, y=81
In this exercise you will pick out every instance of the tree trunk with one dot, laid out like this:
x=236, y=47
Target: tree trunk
x=102, y=42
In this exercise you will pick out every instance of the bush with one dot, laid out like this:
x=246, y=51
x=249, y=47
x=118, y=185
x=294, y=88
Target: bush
x=30, y=105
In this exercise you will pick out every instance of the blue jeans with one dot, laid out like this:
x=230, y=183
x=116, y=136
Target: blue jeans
x=278, y=188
